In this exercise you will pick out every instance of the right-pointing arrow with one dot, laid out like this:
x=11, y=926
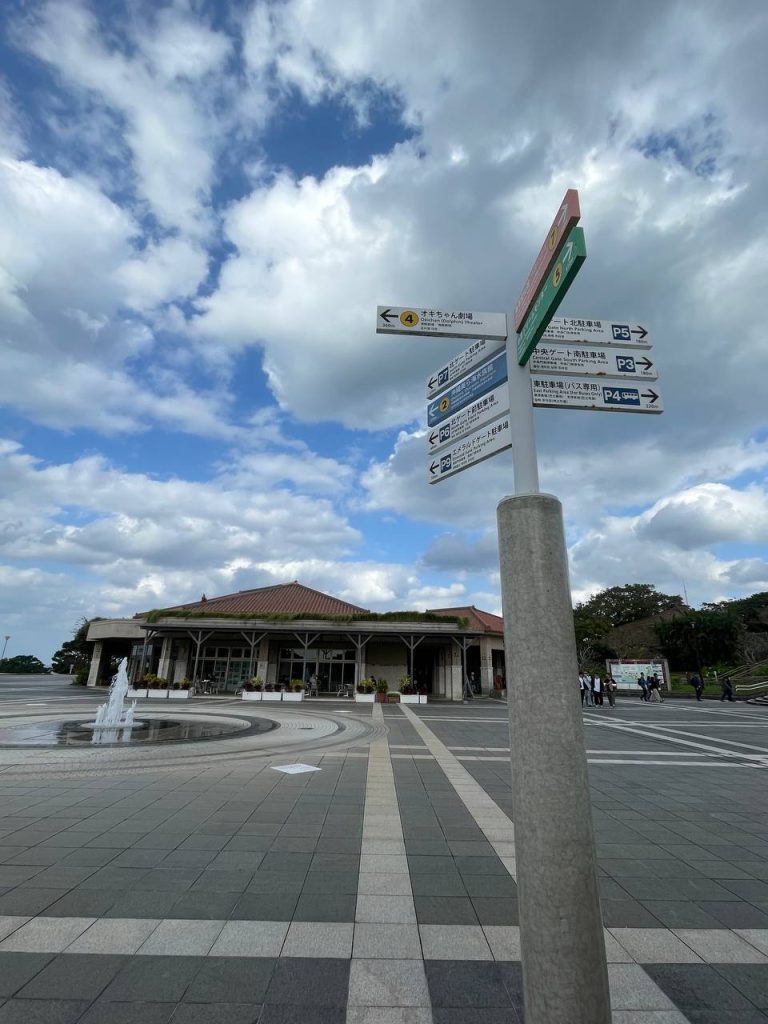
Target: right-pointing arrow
x=645, y=362
x=642, y=332
x=650, y=394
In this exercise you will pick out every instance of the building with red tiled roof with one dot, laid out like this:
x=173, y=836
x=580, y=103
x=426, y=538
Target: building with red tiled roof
x=280, y=599
x=289, y=631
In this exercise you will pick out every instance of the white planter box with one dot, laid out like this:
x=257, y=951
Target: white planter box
x=409, y=698
x=291, y=695
x=133, y=694
x=157, y=694
x=365, y=698
x=422, y=698
x=251, y=694
x=271, y=696
x=178, y=694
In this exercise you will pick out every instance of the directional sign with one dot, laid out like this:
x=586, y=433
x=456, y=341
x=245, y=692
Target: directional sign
x=484, y=379
x=485, y=409
x=489, y=440
x=597, y=332
x=587, y=393
x=576, y=361
x=552, y=294
x=439, y=323
x=477, y=354
x=567, y=218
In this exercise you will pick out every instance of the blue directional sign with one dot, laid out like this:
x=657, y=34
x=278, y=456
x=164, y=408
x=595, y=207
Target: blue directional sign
x=484, y=379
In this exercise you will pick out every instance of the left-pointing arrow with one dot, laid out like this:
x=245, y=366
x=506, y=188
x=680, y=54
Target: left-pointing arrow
x=434, y=467
x=387, y=315
x=433, y=436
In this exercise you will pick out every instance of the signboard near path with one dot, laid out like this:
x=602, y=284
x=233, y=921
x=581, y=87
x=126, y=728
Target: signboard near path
x=477, y=354
x=566, y=218
x=552, y=293
x=597, y=332
x=477, y=447
x=438, y=323
x=588, y=393
x=574, y=360
x=482, y=380
x=485, y=409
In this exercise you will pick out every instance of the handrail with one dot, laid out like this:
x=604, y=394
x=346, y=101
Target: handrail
x=745, y=687
x=747, y=670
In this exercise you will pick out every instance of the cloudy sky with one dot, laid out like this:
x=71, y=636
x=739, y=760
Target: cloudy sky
x=202, y=203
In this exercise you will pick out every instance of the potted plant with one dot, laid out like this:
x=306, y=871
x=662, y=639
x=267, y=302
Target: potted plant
x=180, y=690
x=408, y=693
x=252, y=690
x=364, y=692
x=296, y=691
x=270, y=693
x=137, y=689
x=382, y=687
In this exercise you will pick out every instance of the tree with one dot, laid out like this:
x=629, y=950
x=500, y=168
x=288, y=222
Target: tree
x=75, y=654
x=633, y=601
x=591, y=645
x=712, y=636
x=23, y=665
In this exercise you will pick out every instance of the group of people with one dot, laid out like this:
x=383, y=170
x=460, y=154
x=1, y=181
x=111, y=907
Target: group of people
x=594, y=689
x=650, y=688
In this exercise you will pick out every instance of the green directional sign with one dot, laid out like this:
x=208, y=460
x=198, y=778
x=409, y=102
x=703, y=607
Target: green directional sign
x=552, y=293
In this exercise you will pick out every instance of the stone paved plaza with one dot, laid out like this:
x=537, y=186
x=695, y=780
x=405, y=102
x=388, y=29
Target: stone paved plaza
x=196, y=884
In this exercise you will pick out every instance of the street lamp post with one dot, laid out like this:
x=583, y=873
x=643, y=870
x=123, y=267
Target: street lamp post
x=6, y=638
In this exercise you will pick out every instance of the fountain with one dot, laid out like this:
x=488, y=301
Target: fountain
x=114, y=722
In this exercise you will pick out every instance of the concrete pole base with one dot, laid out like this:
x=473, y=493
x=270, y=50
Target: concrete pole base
x=565, y=978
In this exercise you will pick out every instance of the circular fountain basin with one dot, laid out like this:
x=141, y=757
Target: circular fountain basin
x=147, y=730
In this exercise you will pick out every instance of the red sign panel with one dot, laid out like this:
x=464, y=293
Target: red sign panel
x=567, y=216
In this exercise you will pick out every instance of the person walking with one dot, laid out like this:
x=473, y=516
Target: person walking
x=597, y=690
x=697, y=684
x=589, y=696
x=642, y=682
x=610, y=688
x=466, y=693
x=726, y=689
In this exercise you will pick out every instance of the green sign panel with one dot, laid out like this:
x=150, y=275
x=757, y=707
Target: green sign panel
x=552, y=293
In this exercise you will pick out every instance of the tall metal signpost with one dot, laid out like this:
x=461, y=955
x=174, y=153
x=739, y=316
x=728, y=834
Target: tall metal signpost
x=479, y=404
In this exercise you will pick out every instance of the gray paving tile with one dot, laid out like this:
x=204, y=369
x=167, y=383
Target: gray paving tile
x=42, y=1011
x=284, y=1014
x=16, y=969
x=45, y=934
x=388, y=983
x=444, y=910
x=334, y=907
x=454, y=983
x=693, y=987
x=231, y=979
x=454, y=942
x=216, y=1013
x=103, y=1012
x=143, y=904
x=161, y=979
x=221, y=880
x=315, y=939
x=73, y=976
x=257, y=907
x=205, y=906
x=387, y=941
x=250, y=938
x=499, y=911
x=310, y=982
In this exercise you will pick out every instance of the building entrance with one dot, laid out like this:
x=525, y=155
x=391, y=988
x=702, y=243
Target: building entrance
x=333, y=667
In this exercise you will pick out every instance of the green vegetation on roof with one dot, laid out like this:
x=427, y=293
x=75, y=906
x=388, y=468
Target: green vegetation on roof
x=407, y=616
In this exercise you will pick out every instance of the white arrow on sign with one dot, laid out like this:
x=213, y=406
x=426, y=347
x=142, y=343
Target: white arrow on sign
x=488, y=441
x=597, y=332
x=588, y=393
x=466, y=361
x=605, y=361
x=485, y=409
x=438, y=323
